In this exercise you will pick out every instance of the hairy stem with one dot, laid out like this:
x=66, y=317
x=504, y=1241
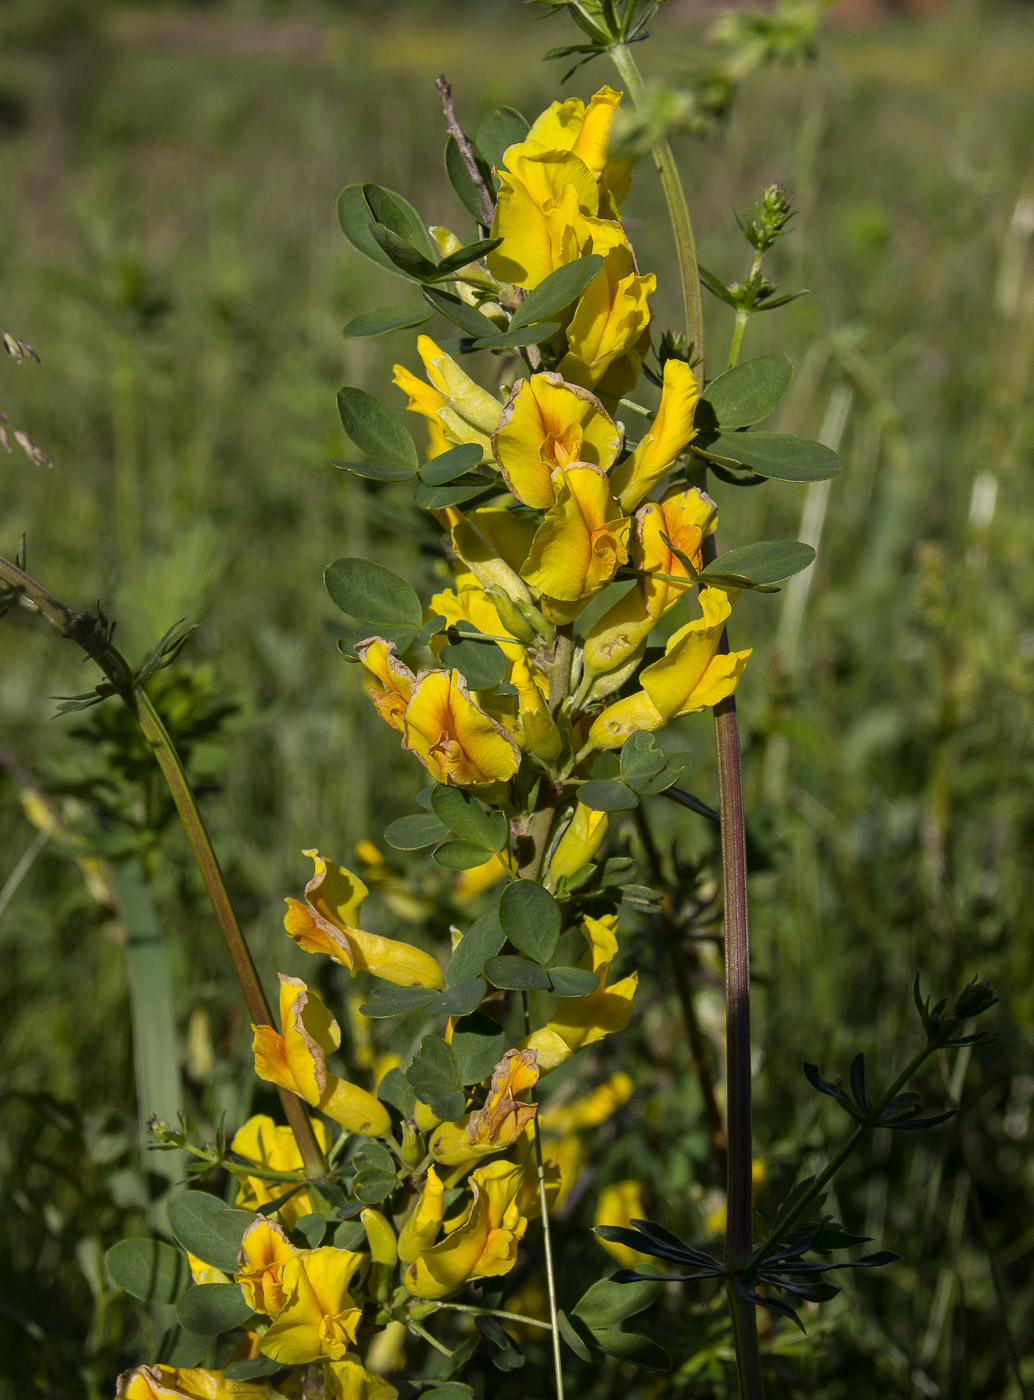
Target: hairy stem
x=84, y=629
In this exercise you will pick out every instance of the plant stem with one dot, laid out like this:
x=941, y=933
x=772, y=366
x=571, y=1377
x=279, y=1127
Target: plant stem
x=742, y=317
x=85, y=630
x=541, y=821
x=497, y=1312
x=682, y=227
x=547, y=1243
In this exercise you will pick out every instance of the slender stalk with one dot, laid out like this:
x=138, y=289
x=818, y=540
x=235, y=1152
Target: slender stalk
x=541, y=821
x=84, y=629
x=547, y=1242
x=497, y=1312
x=742, y=317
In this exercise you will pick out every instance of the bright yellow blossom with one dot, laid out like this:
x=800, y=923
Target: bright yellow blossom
x=691, y=675
x=547, y=424
x=265, y=1250
x=580, y=543
x=610, y=318
x=620, y=1204
x=453, y=737
x=483, y=1245
x=499, y=1123
x=671, y=433
x=421, y=1229
x=320, y=1316
x=273, y=1147
x=457, y=410
x=585, y=131
x=579, y=843
x=468, y=602
x=348, y=1379
x=328, y=923
x=387, y=680
x=185, y=1383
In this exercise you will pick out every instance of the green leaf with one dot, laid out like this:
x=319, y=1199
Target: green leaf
x=204, y=1225
x=717, y=287
x=460, y=855
x=312, y=1228
x=385, y=209
x=746, y=393
x=449, y=465
x=396, y=1091
x=608, y=795
x=675, y=765
x=571, y=1337
x=776, y=455
x=372, y=1186
x=414, y=832
x=402, y=254
x=478, y=1043
x=530, y=917
x=472, y=253
x=251, y=1370
x=435, y=1081
x=557, y=291
x=396, y=317
x=572, y=981
x=370, y=1154
x=353, y=214
x=766, y=562
x=640, y=758
x=465, y=816
x=440, y=497
x=374, y=429
x=459, y=178
x=517, y=974
x=385, y=604
x=458, y=1000
x=633, y=1348
x=482, y=664
x=607, y=1303
x=213, y=1307
x=500, y=128
x=467, y=317
x=527, y=335
x=148, y=1269
x=482, y=941
x=389, y=1000
x=375, y=471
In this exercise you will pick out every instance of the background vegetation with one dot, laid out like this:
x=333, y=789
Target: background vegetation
x=168, y=245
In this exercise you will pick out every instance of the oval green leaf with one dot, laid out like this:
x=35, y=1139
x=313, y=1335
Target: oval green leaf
x=640, y=757
x=530, y=918
x=632, y=1347
x=353, y=215
x=389, y=1000
x=608, y=795
x=435, y=1082
x=572, y=981
x=440, y=497
x=767, y=561
x=373, y=594
x=746, y=393
x=415, y=832
x=482, y=664
x=517, y=974
x=500, y=128
x=556, y=291
x=252, y=1370
x=211, y=1308
x=606, y=1303
x=387, y=318
x=401, y=253
x=482, y=941
x=472, y=253
x=777, y=455
x=465, y=816
x=468, y=318
x=384, y=209
x=459, y=178
x=447, y=466
x=459, y=1000
x=527, y=335
x=478, y=1043
x=205, y=1226
x=376, y=471
x=460, y=855
x=148, y=1269
x=374, y=429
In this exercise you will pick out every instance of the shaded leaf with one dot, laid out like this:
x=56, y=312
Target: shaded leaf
x=767, y=561
x=608, y=795
x=517, y=974
x=414, y=832
x=527, y=335
x=388, y=1000
x=499, y=128
x=402, y=254
x=211, y=1308
x=481, y=942
x=467, y=317
x=556, y=292
x=607, y=1303
x=375, y=471
x=447, y=466
x=432, y=1073
x=458, y=1000
x=454, y=494
x=572, y=981
x=478, y=1043
x=460, y=180
x=353, y=215
x=148, y=1269
x=631, y=1347
x=530, y=918
x=387, y=318
x=375, y=429
x=777, y=455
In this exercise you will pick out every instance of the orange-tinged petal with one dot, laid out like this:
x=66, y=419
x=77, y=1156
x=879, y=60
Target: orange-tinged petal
x=582, y=540
x=296, y=1059
x=547, y=424
x=671, y=433
x=454, y=738
x=185, y=1383
x=501, y=1120
x=484, y=1245
x=265, y=1249
x=387, y=680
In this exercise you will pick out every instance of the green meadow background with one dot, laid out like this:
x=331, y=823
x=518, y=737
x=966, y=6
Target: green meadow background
x=168, y=245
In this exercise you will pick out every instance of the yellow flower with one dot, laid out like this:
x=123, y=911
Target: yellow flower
x=495, y=1126
x=265, y=1250
x=562, y=1161
x=579, y=1021
x=580, y=543
x=483, y=1245
x=547, y=424
x=296, y=1060
x=348, y=1379
x=684, y=515
x=273, y=1147
x=387, y=680
x=457, y=410
x=493, y=544
x=610, y=318
x=671, y=433
x=579, y=843
x=469, y=603
x=327, y=923
x=185, y=1383
x=453, y=738
x=691, y=675
x=545, y=214
x=421, y=1229
x=201, y=1272
x=585, y=131
x=321, y=1316
x=620, y=1204
x=538, y=729
x=592, y=1109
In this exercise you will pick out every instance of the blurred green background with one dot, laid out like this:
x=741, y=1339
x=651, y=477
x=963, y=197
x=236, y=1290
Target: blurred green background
x=168, y=245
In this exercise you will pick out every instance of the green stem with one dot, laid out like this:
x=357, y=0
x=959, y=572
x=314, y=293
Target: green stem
x=742, y=317
x=497, y=1312
x=678, y=210
x=547, y=1242
x=84, y=629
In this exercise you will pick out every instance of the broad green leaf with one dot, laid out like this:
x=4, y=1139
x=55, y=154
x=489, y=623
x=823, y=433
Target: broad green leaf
x=607, y=1303
x=374, y=429
x=384, y=603
x=440, y=497
x=396, y=1091
x=517, y=974
x=464, y=815
x=414, y=832
x=312, y=1228
x=186, y=1349
x=211, y=1308
x=388, y=1000
x=482, y=664
x=447, y=466
x=745, y=394
x=204, y=1225
x=386, y=318
x=482, y=941
x=556, y=291
x=530, y=917
x=370, y=1154
x=402, y=254
x=461, y=182
x=435, y=1081
x=372, y=1186
x=468, y=318
x=376, y=471
x=767, y=561
x=459, y=1000
x=478, y=1043
x=472, y=253
x=509, y=1356
x=353, y=214
x=384, y=209
x=776, y=455
x=571, y=1337
x=640, y=758
x=148, y=1269
x=633, y=1348
x=460, y=855
x=252, y=1370
x=350, y=1233
x=608, y=795
x=675, y=765
x=527, y=335
x=500, y=128
x=572, y=981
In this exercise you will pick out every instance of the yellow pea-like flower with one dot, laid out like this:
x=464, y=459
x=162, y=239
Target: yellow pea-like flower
x=582, y=540
x=421, y=1229
x=672, y=432
x=579, y=843
x=265, y=1250
x=328, y=923
x=453, y=737
x=499, y=1123
x=320, y=1316
x=387, y=680
x=483, y=1244
x=547, y=424
x=611, y=316
x=545, y=214
x=273, y=1146
x=456, y=408
x=185, y=1383
x=585, y=131
x=619, y=1204
x=348, y=1379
